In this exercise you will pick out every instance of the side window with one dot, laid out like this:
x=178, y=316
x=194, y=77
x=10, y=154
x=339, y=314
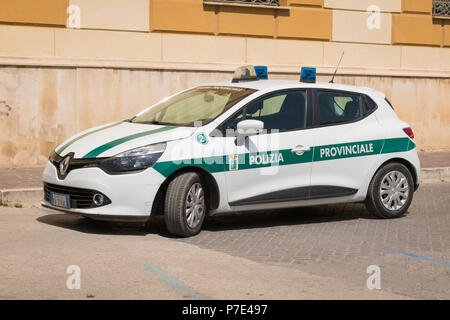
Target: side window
x=336, y=107
x=369, y=105
x=269, y=106
x=282, y=110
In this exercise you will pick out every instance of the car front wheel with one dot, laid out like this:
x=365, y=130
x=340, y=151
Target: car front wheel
x=185, y=205
x=390, y=191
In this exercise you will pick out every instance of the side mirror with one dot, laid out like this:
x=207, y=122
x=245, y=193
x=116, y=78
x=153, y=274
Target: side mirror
x=248, y=128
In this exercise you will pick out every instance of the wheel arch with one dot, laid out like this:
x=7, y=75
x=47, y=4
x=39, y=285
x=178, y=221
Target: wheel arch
x=212, y=188
x=407, y=164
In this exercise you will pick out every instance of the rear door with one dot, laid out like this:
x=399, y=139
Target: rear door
x=347, y=140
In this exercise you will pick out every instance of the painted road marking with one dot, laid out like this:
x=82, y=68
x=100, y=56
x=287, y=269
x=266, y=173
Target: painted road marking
x=174, y=282
x=416, y=256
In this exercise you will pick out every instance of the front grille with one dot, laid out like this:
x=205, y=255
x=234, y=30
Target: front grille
x=74, y=164
x=79, y=198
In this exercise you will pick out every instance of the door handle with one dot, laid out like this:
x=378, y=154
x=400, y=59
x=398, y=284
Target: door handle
x=301, y=150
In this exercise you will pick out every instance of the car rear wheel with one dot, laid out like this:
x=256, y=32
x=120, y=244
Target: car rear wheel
x=185, y=205
x=390, y=191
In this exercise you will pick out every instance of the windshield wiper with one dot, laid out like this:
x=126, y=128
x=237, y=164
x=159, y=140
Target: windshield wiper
x=333, y=122
x=202, y=121
x=130, y=119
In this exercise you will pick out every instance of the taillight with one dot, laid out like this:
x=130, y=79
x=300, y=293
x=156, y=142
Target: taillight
x=409, y=132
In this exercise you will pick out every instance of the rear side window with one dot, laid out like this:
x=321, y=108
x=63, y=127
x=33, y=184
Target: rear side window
x=369, y=106
x=338, y=107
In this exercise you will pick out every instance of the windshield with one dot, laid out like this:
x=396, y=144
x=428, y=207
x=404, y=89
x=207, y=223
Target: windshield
x=199, y=104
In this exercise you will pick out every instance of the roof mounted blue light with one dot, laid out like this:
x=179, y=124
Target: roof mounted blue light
x=308, y=75
x=261, y=72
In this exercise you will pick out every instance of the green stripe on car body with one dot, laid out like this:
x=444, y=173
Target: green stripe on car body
x=348, y=150
x=97, y=151
x=64, y=147
x=398, y=145
x=264, y=159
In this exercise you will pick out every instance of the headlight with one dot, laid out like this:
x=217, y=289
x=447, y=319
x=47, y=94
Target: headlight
x=136, y=159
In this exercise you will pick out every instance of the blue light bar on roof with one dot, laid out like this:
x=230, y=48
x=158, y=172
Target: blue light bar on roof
x=261, y=72
x=308, y=75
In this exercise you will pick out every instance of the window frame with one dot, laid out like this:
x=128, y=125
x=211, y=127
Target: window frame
x=309, y=111
x=244, y=3
x=316, y=108
x=440, y=9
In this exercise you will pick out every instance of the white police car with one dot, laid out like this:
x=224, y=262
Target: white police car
x=242, y=145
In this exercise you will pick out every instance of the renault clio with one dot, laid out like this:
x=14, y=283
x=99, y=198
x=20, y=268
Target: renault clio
x=248, y=144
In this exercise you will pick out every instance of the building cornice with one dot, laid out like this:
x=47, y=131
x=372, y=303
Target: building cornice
x=42, y=62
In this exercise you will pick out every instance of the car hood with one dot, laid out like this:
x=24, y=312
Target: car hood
x=114, y=138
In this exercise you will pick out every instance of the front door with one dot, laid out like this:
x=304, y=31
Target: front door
x=276, y=165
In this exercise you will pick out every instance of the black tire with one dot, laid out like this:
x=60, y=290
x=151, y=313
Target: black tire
x=374, y=201
x=175, y=205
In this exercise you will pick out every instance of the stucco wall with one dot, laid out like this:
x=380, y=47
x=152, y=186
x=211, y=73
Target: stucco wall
x=41, y=107
x=56, y=80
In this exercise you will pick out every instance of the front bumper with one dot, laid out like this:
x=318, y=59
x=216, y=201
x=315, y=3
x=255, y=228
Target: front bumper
x=99, y=217
x=131, y=195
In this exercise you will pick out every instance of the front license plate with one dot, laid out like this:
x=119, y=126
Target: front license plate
x=60, y=200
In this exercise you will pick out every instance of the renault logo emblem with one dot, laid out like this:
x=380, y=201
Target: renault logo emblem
x=64, y=165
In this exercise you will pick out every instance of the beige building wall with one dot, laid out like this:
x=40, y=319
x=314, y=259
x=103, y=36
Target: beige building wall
x=95, y=44
x=67, y=46
x=41, y=107
x=56, y=81
x=126, y=15
x=284, y=52
x=203, y=48
x=352, y=26
x=23, y=41
x=362, y=5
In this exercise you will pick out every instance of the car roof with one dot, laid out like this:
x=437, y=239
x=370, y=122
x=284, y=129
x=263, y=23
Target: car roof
x=272, y=85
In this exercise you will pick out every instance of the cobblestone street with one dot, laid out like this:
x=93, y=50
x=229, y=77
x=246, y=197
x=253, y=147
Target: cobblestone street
x=342, y=241
x=303, y=253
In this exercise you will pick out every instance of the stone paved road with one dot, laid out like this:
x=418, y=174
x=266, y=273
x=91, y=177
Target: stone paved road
x=320, y=252
x=342, y=241
x=117, y=261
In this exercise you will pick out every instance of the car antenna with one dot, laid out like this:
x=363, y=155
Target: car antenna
x=335, y=71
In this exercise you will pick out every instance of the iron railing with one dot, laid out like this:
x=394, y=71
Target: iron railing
x=441, y=9
x=253, y=2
